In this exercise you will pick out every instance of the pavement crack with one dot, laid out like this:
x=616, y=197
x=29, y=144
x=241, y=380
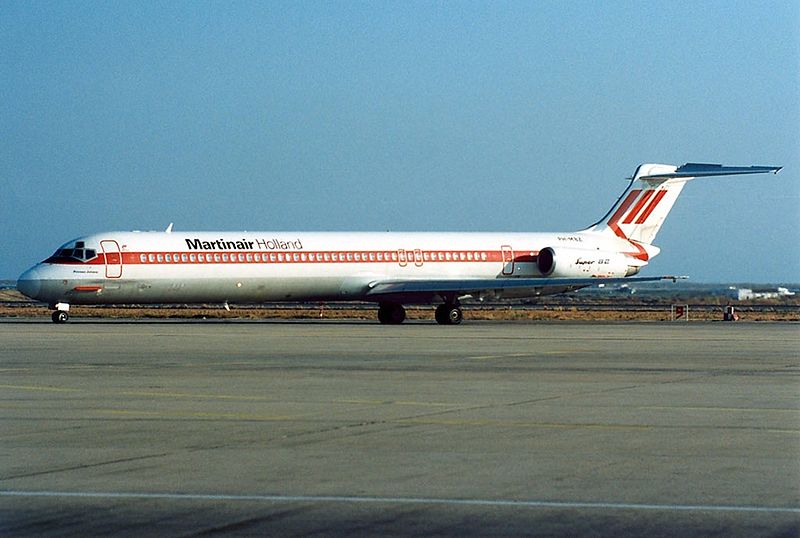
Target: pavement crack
x=86, y=466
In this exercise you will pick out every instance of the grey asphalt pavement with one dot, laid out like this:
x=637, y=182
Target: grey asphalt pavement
x=325, y=428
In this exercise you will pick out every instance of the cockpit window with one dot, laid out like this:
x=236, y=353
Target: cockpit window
x=79, y=252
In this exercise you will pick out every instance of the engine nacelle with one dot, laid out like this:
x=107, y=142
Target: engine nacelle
x=572, y=262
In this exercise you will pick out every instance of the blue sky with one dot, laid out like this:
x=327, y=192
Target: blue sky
x=490, y=116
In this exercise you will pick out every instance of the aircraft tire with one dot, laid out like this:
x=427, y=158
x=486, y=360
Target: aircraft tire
x=60, y=316
x=454, y=315
x=441, y=314
x=391, y=314
x=448, y=314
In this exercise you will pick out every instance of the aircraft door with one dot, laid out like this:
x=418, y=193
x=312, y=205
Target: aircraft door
x=508, y=259
x=113, y=258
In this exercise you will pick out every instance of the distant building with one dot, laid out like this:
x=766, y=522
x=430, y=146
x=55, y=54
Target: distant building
x=744, y=294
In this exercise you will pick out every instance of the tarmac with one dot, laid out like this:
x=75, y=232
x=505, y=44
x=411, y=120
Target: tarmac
x=208, y=428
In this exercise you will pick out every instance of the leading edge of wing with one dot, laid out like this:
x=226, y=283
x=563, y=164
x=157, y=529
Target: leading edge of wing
x=397, y=289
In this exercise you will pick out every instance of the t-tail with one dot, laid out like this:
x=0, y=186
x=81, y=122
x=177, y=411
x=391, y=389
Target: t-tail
x=641, y=210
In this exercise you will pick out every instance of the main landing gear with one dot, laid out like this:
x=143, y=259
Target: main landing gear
x=391, y=313
x=394, y=314
x=449, y=314
x=61, y=313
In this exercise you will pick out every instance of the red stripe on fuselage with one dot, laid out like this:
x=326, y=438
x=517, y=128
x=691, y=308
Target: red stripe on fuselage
x=316, y=257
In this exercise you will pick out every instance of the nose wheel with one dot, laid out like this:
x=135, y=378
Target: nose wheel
x=60, y=316
x=449, y=314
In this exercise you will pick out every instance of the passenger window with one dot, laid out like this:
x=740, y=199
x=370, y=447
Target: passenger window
x=143, y=258
x=200, y=258
x=297, y=257
x=167, y=257
x=192, y=257
x=249, y=258
x=216, y=257
x=160, y=258
x=151, y=258
x=184, y=257
x=327, y=257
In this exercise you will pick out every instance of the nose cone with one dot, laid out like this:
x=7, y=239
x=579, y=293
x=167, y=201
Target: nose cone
x=30, y=283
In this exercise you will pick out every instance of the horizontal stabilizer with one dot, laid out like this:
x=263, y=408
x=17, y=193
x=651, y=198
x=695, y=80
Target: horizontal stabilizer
x=705, y=170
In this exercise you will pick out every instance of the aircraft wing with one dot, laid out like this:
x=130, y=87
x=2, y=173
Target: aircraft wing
x=419, y=290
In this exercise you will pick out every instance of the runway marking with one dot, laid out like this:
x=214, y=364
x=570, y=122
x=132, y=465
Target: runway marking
x=193, y=395
x=39, y=388
x=397, y=402
x=189, y=414
x=726, y=409
x=528, y=354
x=344, y=499
x=512, y=424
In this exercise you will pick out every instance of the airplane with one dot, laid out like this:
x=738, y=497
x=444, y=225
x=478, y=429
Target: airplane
x=391, y=269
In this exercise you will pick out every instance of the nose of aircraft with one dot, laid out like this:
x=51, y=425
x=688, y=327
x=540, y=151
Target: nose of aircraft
x=30, y=282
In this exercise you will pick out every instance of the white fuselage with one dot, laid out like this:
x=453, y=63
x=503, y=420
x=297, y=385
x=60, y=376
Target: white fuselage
x=204, y=267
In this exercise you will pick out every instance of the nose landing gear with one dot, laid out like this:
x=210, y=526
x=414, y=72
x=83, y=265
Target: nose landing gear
x=60, y=313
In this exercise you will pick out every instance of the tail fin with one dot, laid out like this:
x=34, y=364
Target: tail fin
x=645, y=204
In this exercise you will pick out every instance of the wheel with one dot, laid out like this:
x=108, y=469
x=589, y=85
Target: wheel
x=448, y=314
x=441, y=314
x=60, y=316
x=454, y=315
x=391, y=313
